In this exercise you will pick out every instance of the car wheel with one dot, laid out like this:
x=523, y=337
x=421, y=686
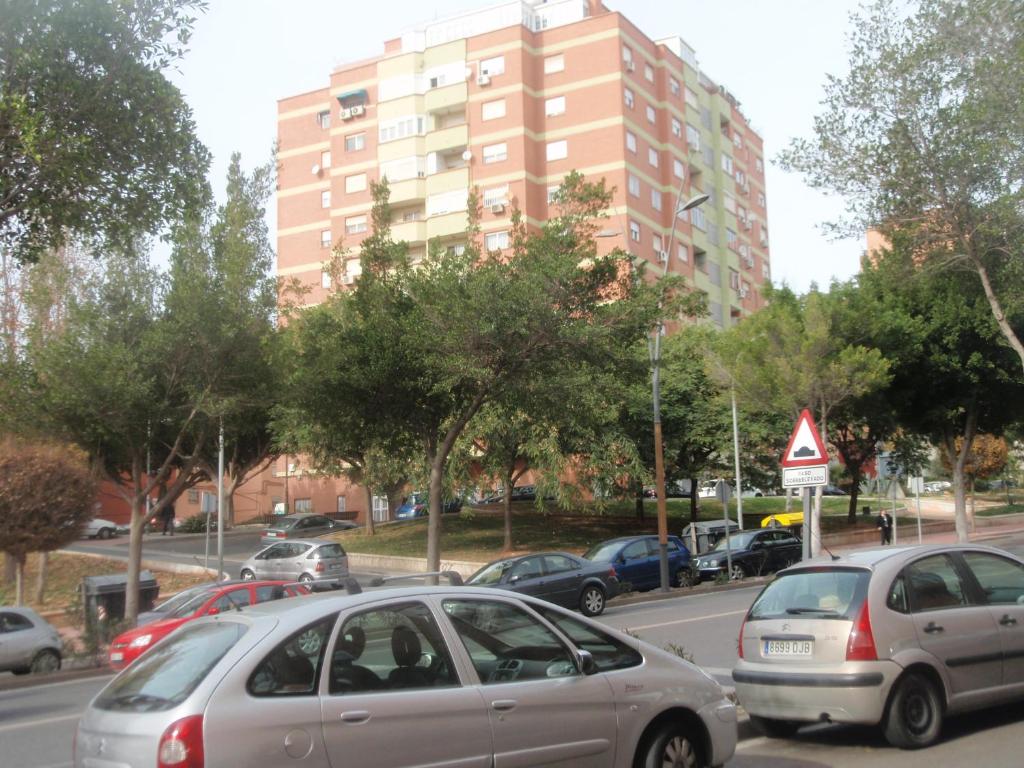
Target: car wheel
x=737, y=572
x=671, y=747
x=305, y=579
x=45, y=662
x=309, y=642
x=104, y=533
x=684, y=577
x=592, y=601
x=914, y=719
x=776, y=729
x=248, y=575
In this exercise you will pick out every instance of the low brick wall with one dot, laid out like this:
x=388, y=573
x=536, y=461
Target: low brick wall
x=361, y=561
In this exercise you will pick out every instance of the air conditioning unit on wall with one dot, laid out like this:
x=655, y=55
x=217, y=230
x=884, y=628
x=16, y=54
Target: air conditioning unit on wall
x=346, y=113
x=483, y=79
x=357, y=111
x=348, y=279
x=497, y=208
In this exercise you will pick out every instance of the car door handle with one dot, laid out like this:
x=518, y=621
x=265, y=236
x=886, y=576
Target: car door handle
x=504, y=705
x=355, y=716
x=932, y=627
x=1007, y=620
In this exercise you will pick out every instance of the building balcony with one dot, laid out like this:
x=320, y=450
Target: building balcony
x=443, y=99
x=408, y=190
x=409, y=231
x=448, y=138
x=449, y=224
x=448, y=181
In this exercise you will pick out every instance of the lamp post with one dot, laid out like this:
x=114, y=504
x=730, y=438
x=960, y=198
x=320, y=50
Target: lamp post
x=655, y=347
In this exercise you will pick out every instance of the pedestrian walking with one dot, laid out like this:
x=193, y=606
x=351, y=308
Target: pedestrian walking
x=168, y=517
x=885, y=527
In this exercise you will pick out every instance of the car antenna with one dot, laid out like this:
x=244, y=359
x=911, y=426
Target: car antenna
x=824, y=546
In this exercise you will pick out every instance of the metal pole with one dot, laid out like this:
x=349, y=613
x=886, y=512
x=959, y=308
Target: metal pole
x=220, y=504
x=736, y=455
x=917, y=496
x=149, y=471
x=892, y=492
x=728, y=538
x=659, y=461
x=806, y=544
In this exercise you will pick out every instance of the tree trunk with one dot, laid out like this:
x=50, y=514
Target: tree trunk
x=693, y=500
x=855, y=473
x=19, y=581
x=10, y=570
x=789, y=500
x=369, y=530
x=44, y=560
x=434, y=516
x=138, y=523
x=997, y=311
x=506, y=507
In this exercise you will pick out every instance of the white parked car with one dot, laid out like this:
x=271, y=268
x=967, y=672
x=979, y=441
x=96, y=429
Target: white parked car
x=98, y=528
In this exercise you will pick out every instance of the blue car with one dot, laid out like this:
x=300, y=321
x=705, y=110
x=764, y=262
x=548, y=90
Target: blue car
x=637, y=561
x=418, y=505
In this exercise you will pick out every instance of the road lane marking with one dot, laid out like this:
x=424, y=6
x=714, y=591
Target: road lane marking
x=34, y=723
x=686, y=621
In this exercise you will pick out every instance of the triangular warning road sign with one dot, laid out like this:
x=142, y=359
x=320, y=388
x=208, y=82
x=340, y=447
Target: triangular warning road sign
x=805, y=448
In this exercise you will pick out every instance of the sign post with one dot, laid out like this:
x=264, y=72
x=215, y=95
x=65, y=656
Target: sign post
x=805, y=465
x=917, y=485
x=722, y=493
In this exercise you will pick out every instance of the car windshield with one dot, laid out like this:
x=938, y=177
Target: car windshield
x=171, y=606
x=603, y=553
x=331, y=550
x=735, y=541
x=832, y=593
x=490, y=574
x=165, y=676
x=284, y=523
x=189, y=607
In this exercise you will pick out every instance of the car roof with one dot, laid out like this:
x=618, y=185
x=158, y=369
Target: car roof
x=875, y=556
x=512, y=558
x=315, y=542
x=297, y=516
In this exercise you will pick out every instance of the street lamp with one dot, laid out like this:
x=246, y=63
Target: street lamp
x=655, y=347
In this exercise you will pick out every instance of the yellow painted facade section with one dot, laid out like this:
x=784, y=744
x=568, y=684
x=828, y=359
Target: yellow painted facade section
x=402, y=64
x=396, y=150
x=448, y=138
x=450, y=96
x=449, y=224
x=446, y=53
x=409, y=231
x=448, y=181
x=410, y=189
x=403, y=107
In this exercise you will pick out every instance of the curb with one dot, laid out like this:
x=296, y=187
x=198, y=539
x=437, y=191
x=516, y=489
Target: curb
x=15, y=683
x=654, y=595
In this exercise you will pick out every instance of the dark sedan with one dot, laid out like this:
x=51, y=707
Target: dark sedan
x=301, y=525
x=753, y=553
x=637, y=560
x=557, y=577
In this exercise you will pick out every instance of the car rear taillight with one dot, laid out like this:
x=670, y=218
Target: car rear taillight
x=739, y=647
x=611, y=572
x=181, y=746
x=320, y=567
x=861, y=645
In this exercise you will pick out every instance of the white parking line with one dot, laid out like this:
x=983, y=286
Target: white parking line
x=35, y=723
x=686, y=621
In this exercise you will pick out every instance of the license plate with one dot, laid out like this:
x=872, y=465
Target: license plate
x=117, y=656
x=788, y=648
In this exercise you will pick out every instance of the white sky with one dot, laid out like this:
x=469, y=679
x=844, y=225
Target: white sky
x=772, y=55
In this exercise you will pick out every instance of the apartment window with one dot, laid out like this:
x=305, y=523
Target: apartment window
x=341, y=505
x=714, y=273
x=557, y=150
x=737, y=139
x=402, y=127
x=734, y=279
x=325, y=199
x=446, y=202
x=496, y=196
x=677, y=168
x=628, y=95
x=634, y=185
x=553, y=64
x=705, y=117
x=759, y=164
x=656, y=199
x=760, y=199
x=765, y=270
x=456, y=250
x=673, y=86
x=627, y=55
x=555, y=106
x=652, y=156
x=634, y=231
x=682, y=252
x=496, y=241
x=700, y=260
x=691, y=98
x=492, y=110
x=741, y=177
x=354, y=225
x=741, y=213
x=325, y=279
x=698, y=219
x=651, y=116
x=631, y=142
x=729, y=203
x=492, y=67
x=193, y=496
x=325, y=238
x=355, y=183
x=677, y=128
x=355, y=142
x=715, y=310
x=649, y=73
x=325, y=159
x=657, y=242
x=693, y=137
x=495, y=153
x=708, y=155
x=712, y=230
x=323, y=119
x=730, y=236
x=726, y=163
x=552, y=194
x=404, y=168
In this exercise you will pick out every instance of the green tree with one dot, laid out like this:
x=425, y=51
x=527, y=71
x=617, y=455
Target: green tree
x=925, y=136
x=95, y=142
x=47, y=493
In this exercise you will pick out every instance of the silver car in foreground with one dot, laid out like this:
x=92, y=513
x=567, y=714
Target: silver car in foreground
x=312, y=561
x=407, y=677
x=28, y=643
x=896, y=636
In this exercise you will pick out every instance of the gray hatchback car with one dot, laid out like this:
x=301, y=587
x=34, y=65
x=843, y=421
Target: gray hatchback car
x=401, y=677
x=896, y=636
x=311, y=561
x=28, y=643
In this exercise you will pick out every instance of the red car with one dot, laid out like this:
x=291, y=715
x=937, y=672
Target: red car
x=204, y=600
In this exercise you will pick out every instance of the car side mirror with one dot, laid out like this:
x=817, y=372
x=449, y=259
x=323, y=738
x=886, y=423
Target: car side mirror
x=213, y=612
x=620, y=560
x=514, y=579
x=587, y=663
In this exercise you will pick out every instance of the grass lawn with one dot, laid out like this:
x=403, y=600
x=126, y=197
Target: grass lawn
x=1006, y=509
x=477, y=535
x=65, y=572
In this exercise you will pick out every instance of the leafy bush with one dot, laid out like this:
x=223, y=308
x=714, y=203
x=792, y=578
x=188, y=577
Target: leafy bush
x=196, y=524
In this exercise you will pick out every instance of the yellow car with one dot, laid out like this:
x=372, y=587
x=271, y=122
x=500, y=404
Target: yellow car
x=783, y=520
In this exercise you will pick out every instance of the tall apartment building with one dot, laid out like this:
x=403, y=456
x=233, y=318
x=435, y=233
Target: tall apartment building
x=508, y=99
